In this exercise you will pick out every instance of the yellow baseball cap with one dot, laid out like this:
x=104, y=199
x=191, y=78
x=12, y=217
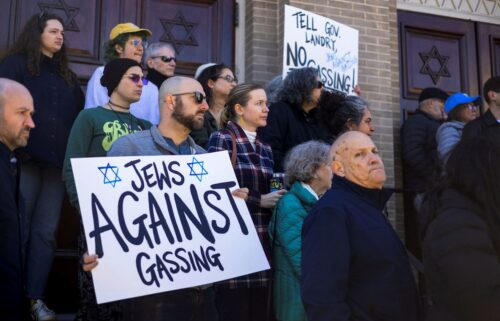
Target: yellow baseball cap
x=127, y=27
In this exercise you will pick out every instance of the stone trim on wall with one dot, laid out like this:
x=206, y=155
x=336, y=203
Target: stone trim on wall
x=476, y=10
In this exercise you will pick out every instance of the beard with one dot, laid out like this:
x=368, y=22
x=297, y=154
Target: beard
x=189, y=121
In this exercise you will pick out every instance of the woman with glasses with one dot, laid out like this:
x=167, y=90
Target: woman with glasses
x=38, y=60
x=460, y=109
x=126, y=40
x=292, y=118
x=92, y=135
x=217, y=81
x=308, y=172
x=246, y=298
x=339, y=113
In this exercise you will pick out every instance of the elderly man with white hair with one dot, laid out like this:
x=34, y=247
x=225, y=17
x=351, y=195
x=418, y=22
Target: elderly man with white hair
x=354, y=266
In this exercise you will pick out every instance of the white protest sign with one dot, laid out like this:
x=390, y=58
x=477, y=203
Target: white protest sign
x=315, y=41
x=163, y=223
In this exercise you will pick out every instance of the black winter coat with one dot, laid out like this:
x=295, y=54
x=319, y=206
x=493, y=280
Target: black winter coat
x=56, y=106
x=11, y=275
x=419, y=149
x=287, y=127
x=462, y=262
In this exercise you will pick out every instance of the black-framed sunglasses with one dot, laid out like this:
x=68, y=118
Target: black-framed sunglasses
x=228, y=78
x=136, y=78
x=198, y=97
x=166, y=58
x=320, y=84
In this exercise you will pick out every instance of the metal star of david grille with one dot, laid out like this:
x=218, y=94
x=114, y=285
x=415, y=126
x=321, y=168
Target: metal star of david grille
x=70, y=12
x=426, y=69
x=181, y=23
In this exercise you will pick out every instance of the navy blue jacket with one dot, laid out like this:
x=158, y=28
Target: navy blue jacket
x=11, y=280
x=56, y=106
x=354, y=266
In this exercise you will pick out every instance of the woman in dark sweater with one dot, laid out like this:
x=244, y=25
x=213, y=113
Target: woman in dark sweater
x=38, y=61
x=292, y=118
x=461, y=235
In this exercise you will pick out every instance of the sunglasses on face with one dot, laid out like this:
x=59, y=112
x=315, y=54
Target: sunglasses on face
x=137, y=42
x=472, y=107
x=319, y=84
x=136, y=78
x=166, y=58
x=198, y=97
x=229, y=78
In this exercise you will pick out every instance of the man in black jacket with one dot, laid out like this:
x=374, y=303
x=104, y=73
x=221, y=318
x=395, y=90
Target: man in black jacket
x=488, y=123
x=161, y=62
x=16, y=110
x=419, y=148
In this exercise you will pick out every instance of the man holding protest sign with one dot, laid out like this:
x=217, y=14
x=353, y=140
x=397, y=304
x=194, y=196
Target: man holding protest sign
x=182, y=107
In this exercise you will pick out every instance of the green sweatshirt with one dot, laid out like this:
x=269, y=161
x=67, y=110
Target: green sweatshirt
x=92, y=135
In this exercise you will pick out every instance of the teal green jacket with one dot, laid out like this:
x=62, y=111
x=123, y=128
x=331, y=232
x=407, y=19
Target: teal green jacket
x=286, y=227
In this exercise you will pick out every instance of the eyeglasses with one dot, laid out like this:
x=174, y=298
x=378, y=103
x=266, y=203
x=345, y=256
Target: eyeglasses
x=472, y=107
x=136, y=78
x=198, y=97
x=229, y=78
x=319, y=84
x=166, y=58
x=137, y=42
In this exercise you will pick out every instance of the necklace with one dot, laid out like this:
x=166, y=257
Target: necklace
x=129, y=125
x=122, y=107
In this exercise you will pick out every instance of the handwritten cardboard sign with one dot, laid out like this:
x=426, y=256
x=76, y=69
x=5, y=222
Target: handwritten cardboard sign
x=315, y=41
x=161, y=223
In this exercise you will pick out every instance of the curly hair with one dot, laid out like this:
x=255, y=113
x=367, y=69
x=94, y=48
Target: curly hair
x=29, y=44
x=336, y=111
x=210, y=73
x=238, y=95
x=120, y=40
x=297, y=86
x=302, y=161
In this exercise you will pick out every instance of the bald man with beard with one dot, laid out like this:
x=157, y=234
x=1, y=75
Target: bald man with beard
x=354, y=266
x=16, y=111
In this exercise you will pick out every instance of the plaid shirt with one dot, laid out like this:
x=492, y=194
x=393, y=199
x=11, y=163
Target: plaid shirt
x=254, y=169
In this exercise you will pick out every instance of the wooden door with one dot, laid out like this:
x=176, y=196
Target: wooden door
x=200, y=30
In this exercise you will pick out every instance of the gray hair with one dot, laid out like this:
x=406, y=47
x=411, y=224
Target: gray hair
x=336, y=110
x=302, y=161
x=272, y=88
x=154, y=48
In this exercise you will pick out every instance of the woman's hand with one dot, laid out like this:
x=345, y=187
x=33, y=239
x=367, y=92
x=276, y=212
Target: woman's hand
x=241, y=193
x=89, y=262
x=269, y=200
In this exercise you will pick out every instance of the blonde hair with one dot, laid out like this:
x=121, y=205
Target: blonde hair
x=238, y=95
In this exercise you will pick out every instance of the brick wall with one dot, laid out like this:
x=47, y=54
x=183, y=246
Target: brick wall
x=376, y=21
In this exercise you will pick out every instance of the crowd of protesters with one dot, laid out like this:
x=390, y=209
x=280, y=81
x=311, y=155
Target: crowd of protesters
x=333, y=252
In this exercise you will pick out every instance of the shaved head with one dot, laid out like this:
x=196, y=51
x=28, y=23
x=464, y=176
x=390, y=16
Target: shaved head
x=9, y=87
x=356, y=158
x=16, y=110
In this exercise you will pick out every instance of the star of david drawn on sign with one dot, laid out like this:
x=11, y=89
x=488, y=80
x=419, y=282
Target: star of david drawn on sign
x=179, y=32
x=69, y=12
x=110, y=174
x=428, y=58
x=197, y=169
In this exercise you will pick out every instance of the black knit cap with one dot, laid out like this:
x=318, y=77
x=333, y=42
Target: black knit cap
x=114, y=71
x=432, y=92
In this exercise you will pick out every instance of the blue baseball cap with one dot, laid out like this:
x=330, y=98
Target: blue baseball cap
x=458, y=99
